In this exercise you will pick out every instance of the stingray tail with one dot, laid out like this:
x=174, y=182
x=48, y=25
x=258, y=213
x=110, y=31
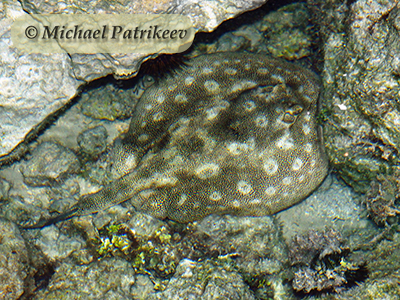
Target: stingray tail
x=47, y=222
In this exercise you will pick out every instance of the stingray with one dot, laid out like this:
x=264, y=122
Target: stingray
x=227, y=133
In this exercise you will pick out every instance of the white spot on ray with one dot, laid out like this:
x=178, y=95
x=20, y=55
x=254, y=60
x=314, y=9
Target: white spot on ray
x=182, y=200
x=301, y=178
x=143, y=137
x=308, y=147
x=160, y=99
x=244, y=187
x=189, y=80
x=263, y=71
x=306, y=129
x=207, y=71
x=207, y=170
x=278, y=78
x=236, y=148
x=261, y=121
x=270, y=191
x=157, y=117
x=255, y=201
x=236, y=203
x=285, y=142
x=271, y=166
x=213, y=112
x=215, y=196
x=249, y=105
x=287, y=180
x=243, y=85
x=179, y=98
x=211, y=86
x=297, y=164
x=230, y=71
x=216, y=63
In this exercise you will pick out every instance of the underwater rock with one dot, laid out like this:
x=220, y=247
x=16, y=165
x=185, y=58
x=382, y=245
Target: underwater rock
x=287, y=32
x=14, y=267
x=253, y=245
x=49, y=163
x=308, y=280
x=105, y=279
x=32, y=86
x=142, y=287
x=361, y=87
x=249, y=239
x=55, y=245
x=387, y=288
x=384, y=270
x=144, y=225
x=227, y=133
x=381, y=199
x=15, y=209
x=93, y=141
x=5, y=187
x=321, y=264
x=205, y=280
x=107, y=103
x=303, y=249
x=334, y=205
x=250, y=245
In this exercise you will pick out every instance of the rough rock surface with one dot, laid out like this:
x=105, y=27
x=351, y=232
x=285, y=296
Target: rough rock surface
x=55, y=245
x=91, y=281
x=50, y=162
x=93, y=141
x=333, y=205
x=32, y=85
x=361, y=78
x=248, y=237
x=4, y=188
x=383, y=270
x=35, y=86
x=14, y=266
x=205, y=280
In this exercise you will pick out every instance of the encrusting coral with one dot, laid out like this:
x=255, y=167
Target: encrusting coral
x=319, y=259
x=380, y=200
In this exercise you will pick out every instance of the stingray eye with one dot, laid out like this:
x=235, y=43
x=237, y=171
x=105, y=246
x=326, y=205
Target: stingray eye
x=148, y=81
x=291, y=113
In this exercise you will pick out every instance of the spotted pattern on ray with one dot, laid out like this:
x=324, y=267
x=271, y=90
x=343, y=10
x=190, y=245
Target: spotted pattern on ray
x=227, y=133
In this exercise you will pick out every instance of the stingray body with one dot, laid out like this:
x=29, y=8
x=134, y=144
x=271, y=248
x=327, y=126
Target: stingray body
x=227, y=133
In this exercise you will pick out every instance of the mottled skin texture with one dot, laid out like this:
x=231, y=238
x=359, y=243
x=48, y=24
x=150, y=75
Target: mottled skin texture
x=227, y=133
